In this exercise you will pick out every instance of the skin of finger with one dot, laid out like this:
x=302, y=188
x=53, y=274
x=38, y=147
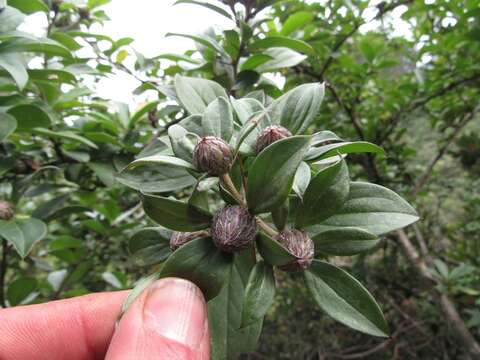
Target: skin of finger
x=75, y=329
x=174, y=327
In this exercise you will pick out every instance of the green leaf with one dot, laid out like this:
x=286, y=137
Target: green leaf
x=13, y=64
x=259, y=294
x=68, y=135
x=105, y=172
x=140, y=113
x=174, y=214
x=10, y=19
x=326, y=151
x=29, y=116
x=40, y=45
x=296, y=21
x=225, y=313
x=196, y=94
x=373, y=208
x=344, y=241
x=281, y=58
x=207, y=5
x=280, y=216
x=149, y=246
x=205, y=40
x=23, y=234
x=272, y=252
x=159, y=160
x=302, y=179
x=298, y=108
x=8, y=124
x=254, y=61
x=218, y=119
x=20, y=289
x=29, y=7
x=200, y=262
x=343, y=298
x=157, y=177
x=325, y=195
x=183, y=142
x=272, y=173
x=52, y=75
x=282, y=41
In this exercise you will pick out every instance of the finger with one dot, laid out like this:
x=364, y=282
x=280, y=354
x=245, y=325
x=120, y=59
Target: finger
x=78, y=329
x=168, y=321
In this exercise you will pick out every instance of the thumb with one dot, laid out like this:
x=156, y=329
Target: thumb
x=168, y=321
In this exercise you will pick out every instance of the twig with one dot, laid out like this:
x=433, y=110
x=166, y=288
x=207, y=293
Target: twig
x=3, y=272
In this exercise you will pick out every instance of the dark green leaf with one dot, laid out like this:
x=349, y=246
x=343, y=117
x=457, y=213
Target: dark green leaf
x=218, y=119
x=325, y=195
x=13, y=64
x=280, y=216
x=150, y=246
x=281, y=41
x=272, y=173
x=254, y=61
x=68, y=135
x=302, y=179
x=344, y=241
x=30, y=6
x=299, y=107
x=323, y=152
x=174, y=214
x=343, y=298
x=259, y=294
x=196, y=94
x=272, y=252
x=23, y=234
x=40, y=45
x=29, y=116
x=8, y=124
x=373, y=208
x=225, y=313
x=281, y=58
x=19, y=290
x=200, y=262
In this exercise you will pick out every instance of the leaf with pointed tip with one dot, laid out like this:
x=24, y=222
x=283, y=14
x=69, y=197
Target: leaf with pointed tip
x=302, y=179
x=183, y=142
x=150, y=246
x=272, y=173
x=196, y=94
x=283, y=41
x=200, y=262
x=259, y=293
x=13, y=65
x=217, y=9
x=342, y=297
x=218, y=119
x=23, y=234
x=323, y=152
x=373, y=208
x=272, y=252
x=325, y=195
x=174, y=214
x=8, y=124
x=344, y=241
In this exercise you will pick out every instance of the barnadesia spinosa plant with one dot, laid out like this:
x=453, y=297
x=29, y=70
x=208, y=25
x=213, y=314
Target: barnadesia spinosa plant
x=231, y=171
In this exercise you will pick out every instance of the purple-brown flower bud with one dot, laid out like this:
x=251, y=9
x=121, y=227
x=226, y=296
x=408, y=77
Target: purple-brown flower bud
x=6, y=211
x=300, y=245
x=233, y=228
x=181, y=238
x=269, y=135
x=212, y=155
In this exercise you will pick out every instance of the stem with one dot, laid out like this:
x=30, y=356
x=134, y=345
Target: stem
x=3, y=273
x=227, y=181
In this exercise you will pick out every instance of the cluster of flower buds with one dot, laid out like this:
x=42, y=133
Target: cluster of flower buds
x=213, y=156
x=6, y=211
x=269, y=135
x=181, y=238
x=300, y=245
x=233, y=228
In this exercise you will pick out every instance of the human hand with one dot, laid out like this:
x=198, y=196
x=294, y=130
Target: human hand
x=168, y=321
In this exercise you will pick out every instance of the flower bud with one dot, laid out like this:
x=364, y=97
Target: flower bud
x=300, y=245
x=233, y=228
x=6, y=211
x=212, y=155
x=181, y=238
x=269, y=135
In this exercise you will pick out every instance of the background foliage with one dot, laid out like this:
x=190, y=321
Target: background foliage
x=62, y=148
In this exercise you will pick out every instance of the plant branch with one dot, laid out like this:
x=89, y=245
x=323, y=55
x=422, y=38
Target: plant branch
x=3, y=272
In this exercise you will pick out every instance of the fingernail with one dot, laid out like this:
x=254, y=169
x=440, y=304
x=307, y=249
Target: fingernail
x=176, y=309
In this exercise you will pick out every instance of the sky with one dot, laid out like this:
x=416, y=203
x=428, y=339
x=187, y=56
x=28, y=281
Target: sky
x=147, y=21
